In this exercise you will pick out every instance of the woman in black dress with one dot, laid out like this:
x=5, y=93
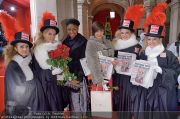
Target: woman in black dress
x=44, y=43
x=23, y=91
x=77, y=44
x=129, y=44
x=162, y=96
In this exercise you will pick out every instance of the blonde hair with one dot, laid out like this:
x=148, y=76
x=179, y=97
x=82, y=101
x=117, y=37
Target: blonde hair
x=9, y=52
x=116, y=37
x=118, y=34
x=145, y=43
x=39, y=38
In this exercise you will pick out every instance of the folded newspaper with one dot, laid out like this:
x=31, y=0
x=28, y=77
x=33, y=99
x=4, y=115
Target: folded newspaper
x=106, y=66
x=142, y=73
x=126, y=60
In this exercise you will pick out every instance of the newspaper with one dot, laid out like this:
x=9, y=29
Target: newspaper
x=106, y=66
x=126, y=60
x=142, y=73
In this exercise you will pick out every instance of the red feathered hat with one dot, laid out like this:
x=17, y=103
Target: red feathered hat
x=132, y=17
x=154, y=23
x=48, y=21
x=9, y=24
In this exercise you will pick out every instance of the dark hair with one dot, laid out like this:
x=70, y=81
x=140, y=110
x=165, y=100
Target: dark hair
x=72, y=21
x=97, y=26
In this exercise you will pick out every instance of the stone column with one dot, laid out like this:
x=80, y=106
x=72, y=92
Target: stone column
x=90, y=20
x=174, y=20
x=80, y=14
x=83, y=13
x=158, y=1
x=37, y=8
x=148, y=5
x=85, y=19
x=131, y=2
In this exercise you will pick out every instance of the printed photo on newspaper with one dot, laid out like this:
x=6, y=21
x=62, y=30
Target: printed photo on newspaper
x=142, y=74
x=106, y=66
x=126, y=60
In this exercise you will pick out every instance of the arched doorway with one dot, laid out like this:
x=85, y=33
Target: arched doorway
x=102, y=12
x=101, y=16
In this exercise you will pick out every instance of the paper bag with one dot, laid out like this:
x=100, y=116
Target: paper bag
x=101, y=103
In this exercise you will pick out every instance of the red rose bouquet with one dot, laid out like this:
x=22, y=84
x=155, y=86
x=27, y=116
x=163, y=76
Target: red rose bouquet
x=59, y=58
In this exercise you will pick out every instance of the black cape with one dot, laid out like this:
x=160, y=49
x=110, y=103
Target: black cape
x=49, y=84
x=20, y=94
x=162, y=96
x=77, y=51
x=122, y=98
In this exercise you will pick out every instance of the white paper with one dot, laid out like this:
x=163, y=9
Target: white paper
x=106, y=66
x=126, y=60
x=142, y=73
x=85, y=67
x=101, y=101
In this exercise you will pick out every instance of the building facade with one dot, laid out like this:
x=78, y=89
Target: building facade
x=87, y=10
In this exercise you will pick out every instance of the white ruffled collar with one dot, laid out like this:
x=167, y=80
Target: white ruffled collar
x=123, y=44
x=154, y=52
x=48, y=46
x=41, y=53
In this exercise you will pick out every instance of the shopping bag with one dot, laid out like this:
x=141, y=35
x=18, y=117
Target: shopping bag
x=101, y=103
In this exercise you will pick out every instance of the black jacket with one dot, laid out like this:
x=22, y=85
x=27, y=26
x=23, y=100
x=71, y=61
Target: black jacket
x=24, y=94
x=77, y=51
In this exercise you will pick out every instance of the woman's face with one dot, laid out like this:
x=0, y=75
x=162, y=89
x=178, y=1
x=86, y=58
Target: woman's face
x=22, y=49
x=72, y=30
x=125, y=34
x=49, y=35
x=99, y=34
x=152, y=41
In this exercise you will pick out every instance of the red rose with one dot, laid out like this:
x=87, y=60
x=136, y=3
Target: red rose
x=60, y=52
x=56, y=55
x=51, y=54
x=65, y=56
x=59, y=46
